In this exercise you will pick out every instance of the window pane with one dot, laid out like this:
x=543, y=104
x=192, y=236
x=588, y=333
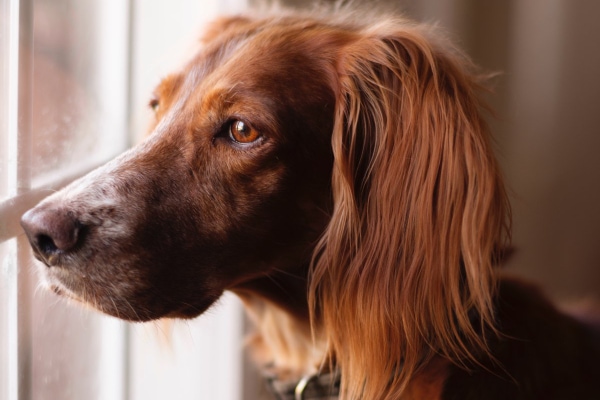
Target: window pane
x=79, y=83
x=8, y=354
x=77, y=353
x=4, y=94
x=79, y=109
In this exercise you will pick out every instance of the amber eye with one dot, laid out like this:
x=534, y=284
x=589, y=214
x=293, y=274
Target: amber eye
x=242, y=133
x=154, y=104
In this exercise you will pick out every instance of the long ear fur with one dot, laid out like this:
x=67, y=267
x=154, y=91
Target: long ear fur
x=404, y=269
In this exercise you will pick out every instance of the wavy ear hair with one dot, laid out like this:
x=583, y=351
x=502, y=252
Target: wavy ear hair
x=404, y=269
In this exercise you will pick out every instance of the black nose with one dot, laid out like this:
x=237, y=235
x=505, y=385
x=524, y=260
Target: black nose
x=51, y=231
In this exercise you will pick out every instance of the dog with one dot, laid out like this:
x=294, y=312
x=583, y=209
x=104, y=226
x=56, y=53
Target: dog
x=335, y=172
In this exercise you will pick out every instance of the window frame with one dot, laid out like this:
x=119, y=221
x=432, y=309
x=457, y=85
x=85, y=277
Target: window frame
x=17, y=71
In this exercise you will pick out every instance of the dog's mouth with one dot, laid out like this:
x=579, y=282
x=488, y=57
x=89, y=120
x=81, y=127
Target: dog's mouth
x=63, y=292
x=59, y=283
x=87, y=302
x=58, y=290
x=48, y=261
x=51, y=283
x=127, y=300
x=57, y=275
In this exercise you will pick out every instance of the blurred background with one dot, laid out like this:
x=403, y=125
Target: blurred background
x=547, y=125
x=75, y=82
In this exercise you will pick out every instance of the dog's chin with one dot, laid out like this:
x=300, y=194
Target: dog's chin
x=132, y=308
x=132, y=314
x=190, y=312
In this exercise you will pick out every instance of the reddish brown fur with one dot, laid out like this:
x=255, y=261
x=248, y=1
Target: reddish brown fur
x=361, y=229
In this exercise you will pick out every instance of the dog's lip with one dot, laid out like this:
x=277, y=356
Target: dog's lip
x=58, y=290
x=52, y=261
x=59, y=280
x=62, y=291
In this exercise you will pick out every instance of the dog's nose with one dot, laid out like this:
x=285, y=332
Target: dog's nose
x=51, y=231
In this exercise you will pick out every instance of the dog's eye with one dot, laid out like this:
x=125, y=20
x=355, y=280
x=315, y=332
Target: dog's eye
x=154, y=104
x=240, y=132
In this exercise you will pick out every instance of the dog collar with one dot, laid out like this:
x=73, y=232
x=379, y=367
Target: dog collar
x=310, y=387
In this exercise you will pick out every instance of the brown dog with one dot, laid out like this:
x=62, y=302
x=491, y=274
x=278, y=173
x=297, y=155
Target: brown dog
x=336, y=174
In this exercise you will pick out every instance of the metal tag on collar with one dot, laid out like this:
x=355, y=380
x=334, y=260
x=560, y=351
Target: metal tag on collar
x=302, y=385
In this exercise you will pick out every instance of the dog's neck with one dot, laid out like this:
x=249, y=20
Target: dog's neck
x=286, y=290
x=283, y=343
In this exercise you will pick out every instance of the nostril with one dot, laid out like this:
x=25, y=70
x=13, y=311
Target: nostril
x=51, y=230
x=46, y=244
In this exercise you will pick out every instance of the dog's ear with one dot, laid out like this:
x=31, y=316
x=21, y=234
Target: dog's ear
x=404, y=269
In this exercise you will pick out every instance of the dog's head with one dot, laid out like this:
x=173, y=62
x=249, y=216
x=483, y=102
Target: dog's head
x=231, y=182
x=358, y=146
